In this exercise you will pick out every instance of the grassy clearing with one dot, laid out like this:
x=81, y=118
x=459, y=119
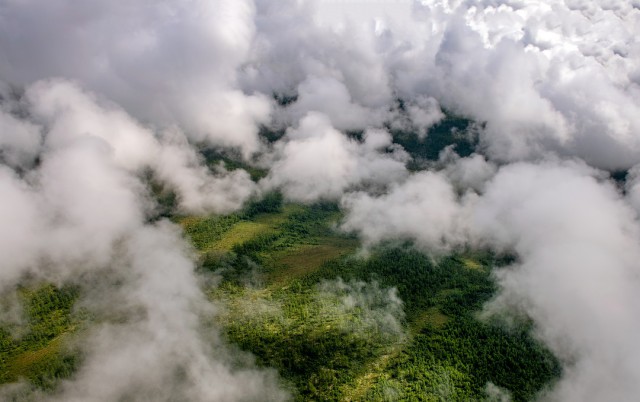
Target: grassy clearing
x=374, y=372
x=246, y=230
x=431, y=317
x=222, y=233
x=237, y=234
x=204, y=232
x=306, y=259
x=471, y=263
x=22, y=365
x=275, y=219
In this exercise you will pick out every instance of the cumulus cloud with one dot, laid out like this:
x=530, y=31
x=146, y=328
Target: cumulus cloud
x=302, y=44
x=554, y=77
x=316, y=161
x=168, y=63
x=415, y=115
x=18, y=211
x=19, y=141
x=425, y=207
x=559, y=76
x=76, y=209
x=471, y=172
x=330, y=97
x=199, y=188
x=71, y=114
x=497, y=86
x=577, y=275
x=554, y=72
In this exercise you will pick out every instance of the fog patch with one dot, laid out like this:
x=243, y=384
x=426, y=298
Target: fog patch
x=368, y=308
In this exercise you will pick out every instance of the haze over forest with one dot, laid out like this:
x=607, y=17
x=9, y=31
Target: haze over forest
x=119, y=118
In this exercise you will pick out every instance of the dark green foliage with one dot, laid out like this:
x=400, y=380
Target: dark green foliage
x=315, y=359
x=311, y=221
x=451, y=130
x=271, y=203
x=301, y=227
x=510, y=359
x=49, y=313
x=357, y=135
x=166, y=199
x=478, y=353
x=287, y=318
x=619, y=177
x=271, y=135
x=167, y=202
x=46, y=373
x=417, y=277
x=448, y=354
x=231, y=161
x=284, y=99
x=263, y=241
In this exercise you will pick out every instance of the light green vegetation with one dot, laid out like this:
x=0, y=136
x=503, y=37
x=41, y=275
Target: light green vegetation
x=396, y=325
x=305, y=259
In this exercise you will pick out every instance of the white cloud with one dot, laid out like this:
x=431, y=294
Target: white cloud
x=316, y=161
x=577, y=245
x=424, y=207
x=167, y=63
x=73, y=114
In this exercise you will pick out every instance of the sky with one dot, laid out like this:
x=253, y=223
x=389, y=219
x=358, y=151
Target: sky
x=97, y=96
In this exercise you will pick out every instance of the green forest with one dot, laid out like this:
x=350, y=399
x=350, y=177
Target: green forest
x=395, y=324
x=337, y=322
